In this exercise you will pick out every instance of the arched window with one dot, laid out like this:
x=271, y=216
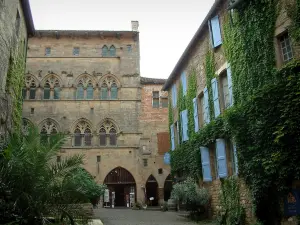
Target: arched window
x=104, y=92
x=77, y=135
x=87, y=137
x=32, y=90
x=56, y=90
x=80, y=91
x=109, y=88
x=114, y=92
x=113, y=137
x=47, y=91
x=112, y=51
x=104, y=51
x=48, y=130
x=83, y=130
x=102, y=134
x=24, y=93
x=108, y=130
x=89, y=91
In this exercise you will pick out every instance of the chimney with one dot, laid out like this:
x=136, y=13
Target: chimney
x=135, y=25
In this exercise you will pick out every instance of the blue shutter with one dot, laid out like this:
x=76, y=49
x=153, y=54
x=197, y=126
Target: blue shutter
x=196, y=120
x=221, y=158
x=206, y=106
x=174, y=95
x=215, y=31
x=206, y=172
x=183, y=82
x=229, y=85
x=186, y=121
x=214, y=85
x=172, y=137
x=235, y=159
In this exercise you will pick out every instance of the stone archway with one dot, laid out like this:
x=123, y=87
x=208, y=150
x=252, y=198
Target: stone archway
x=168, y=187
x=152, y=191
x=122, y=187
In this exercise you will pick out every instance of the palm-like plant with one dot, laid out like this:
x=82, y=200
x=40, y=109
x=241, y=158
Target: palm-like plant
x=33, y=186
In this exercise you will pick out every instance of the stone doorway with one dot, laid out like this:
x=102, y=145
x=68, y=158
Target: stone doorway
x=122, y=187
x=152, y=191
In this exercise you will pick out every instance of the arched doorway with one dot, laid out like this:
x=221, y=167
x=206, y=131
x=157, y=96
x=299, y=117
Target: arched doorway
x=152, y=191
x=122, y=187
x=168, y=187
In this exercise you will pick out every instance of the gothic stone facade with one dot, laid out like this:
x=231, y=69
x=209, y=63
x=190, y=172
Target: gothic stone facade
x=87, y=85
x=15, y=25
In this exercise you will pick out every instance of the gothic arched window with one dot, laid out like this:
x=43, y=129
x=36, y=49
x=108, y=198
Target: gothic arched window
x=104, y=51
x=47, y=91
x=32, y=90
x=48, y=131
x=90, y=91
x=109, y=88
x=56, y=90
x=112, y=51
x=108, y=131
x=30, y=85
x=52, y=87
x=83, y=130
x=80, y=91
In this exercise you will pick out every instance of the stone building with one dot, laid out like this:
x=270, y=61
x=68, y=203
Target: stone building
x=219, y=160
x=15, y=26
x=87, y=85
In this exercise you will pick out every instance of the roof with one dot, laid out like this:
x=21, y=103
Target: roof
x=28, y=16
x=85, y=33
x=147, y=80
x=190, y=46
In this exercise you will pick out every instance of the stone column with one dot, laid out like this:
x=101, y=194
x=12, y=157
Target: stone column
x=160, y=195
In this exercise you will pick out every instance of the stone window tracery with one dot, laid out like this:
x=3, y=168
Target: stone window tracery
x=48, y=130
x=85, y=89
x=30, y=84
x=83, y=134
x=52, y=88
x=109, y=89
x=108, y=131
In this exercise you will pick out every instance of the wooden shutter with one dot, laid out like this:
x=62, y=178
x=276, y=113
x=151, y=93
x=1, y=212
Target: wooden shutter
x=235, y=159
x=172, y=137
x=215, y=31
x=174, y=97
x=229, y=85
x=206, y=106
x=221, y=158
x=183, y=82
x=163, y=142
x=196, y=120
x=214, y=85
x=206, y=171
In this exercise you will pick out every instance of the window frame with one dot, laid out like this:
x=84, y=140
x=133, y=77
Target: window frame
x=155, y=98
x=47, y=51
x=75, y=49
x=286, y=37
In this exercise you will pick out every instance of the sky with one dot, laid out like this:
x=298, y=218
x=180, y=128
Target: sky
x=166, y=27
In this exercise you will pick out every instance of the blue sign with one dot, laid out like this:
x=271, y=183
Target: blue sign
x=167, y=158
x=292, y=203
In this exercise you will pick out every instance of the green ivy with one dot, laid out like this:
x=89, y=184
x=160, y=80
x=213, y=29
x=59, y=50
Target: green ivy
x=191, y=94
x=171, y=118
x=210, y=72
x=181, y=105
x=15, y=83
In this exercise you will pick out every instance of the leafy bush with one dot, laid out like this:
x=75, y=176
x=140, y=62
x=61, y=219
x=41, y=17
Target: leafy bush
x=33, y=186
x=189, y=193
x=164, y=207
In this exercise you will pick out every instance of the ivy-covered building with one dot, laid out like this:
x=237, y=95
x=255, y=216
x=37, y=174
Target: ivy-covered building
x=216, y=133
x=16, y=25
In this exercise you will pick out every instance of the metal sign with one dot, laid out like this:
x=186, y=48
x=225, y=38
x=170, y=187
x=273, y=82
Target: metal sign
x=167, y=158
x=292, y=203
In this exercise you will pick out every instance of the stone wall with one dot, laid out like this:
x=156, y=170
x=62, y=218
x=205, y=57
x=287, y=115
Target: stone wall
x=12, y=33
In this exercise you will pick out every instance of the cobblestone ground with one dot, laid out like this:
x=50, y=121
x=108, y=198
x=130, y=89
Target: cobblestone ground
x=140, y=217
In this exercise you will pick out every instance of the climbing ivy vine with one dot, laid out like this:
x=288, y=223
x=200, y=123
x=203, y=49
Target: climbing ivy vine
x=15, y=83
x=191, y=94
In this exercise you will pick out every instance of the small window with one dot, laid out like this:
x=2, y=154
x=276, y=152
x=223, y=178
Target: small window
x=286, y=49
x=75, y=51
x=17, y=23
x=104, y=51
x=98, y=158
x=129, y=48
x=145, y=162
x=164, y=102
x=160, y=171
x=58, y=158
x=32, y=110
x=155, y=99
x=225, y=90
x=47, y=51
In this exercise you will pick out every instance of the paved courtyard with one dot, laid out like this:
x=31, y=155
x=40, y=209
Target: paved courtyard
x=140, y=217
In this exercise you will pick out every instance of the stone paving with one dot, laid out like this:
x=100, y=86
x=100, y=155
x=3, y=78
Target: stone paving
x=140, y=217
